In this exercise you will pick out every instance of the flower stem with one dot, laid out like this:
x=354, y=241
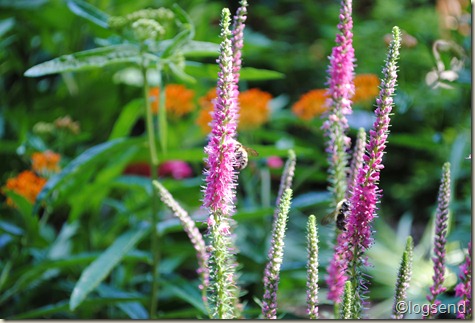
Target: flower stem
x=162, y=114
x=153, y=168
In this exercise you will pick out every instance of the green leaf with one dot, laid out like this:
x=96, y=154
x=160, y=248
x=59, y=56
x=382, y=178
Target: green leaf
x=10, y=228
x=62, y=307
x=200, y=49
x=180, y=74
x=89, y=12
x=96, y=272
x=256, y=74
x=187, y=292
x=210, y=71
x=88, y=59
x=127, y=118
x=22, y=4
x=423, y=142
x=8, y=146
x=92, y=196
x=5, y=26
x=21, y=203
x=178, y=42
x=25, y=208
x=184, y=19
x=62, y=245
x=22, y=279
x=84, y=164
x=134, y=310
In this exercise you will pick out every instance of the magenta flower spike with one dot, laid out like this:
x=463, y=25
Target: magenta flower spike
x=220, y=174
x=238, y=38
x=352, y=243
x=464, y=288
x=221, y=182
x=340, y=90
x=441, y=218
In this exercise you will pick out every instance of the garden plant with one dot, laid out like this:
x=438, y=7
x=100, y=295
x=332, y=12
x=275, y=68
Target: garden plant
x=235, y=160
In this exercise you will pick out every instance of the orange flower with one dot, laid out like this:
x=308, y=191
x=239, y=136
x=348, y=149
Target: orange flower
x=254, y=109
x=46, y=163
x=311, y=104
x=26, y=184
x=366, y=87
x=206, y=104
x=178, y=102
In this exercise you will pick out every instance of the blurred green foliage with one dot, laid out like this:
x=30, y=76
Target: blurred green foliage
x=93, y=203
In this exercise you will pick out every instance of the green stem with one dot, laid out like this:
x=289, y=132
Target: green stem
x=162, y=114
x=153, y=168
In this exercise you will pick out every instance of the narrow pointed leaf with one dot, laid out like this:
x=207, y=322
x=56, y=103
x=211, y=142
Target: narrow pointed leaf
x=88, y=59
x=200, y=49
x=96, y=272
x=184, y=18
x=210, y=71
x=178, y=42
x=134, y=310
x=89, y=12
x=181, y=75
x=22, y=4
x=80, y=166
x=127, y=118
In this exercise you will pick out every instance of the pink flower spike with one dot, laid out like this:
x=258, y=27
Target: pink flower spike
x=353, y=243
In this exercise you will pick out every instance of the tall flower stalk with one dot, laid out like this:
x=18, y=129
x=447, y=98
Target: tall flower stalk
x=238, y=42
x=221, y=182
x=193, y=234
x=464, y=288
x=441, y=218
x=155, y=238
x=403, y=279
x=340, y=91
x=312, y=268
x=286, y=179
x=276, y=255
x=352, y=244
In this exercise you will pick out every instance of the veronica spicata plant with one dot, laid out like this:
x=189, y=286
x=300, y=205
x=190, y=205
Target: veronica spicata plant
x=403, y=279
x=312, y=268
x=340, y=91
x=221, y=177
x=441, y=218
x=276, y=255
x=193, y=233
x=349, y=258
